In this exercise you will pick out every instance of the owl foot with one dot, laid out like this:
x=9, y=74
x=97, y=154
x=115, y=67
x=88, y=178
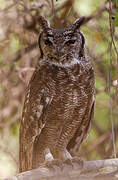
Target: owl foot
x=68, y=162
x=54, y=164
x=74, y=161
x=78, y=161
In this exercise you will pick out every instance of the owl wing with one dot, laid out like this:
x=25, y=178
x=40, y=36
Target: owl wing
x=83, y=129
x=32, y=123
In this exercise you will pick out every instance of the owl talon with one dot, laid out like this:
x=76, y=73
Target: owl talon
x=49, y=165
x=69, y=162
x=53, y=164
x=58, y=163
x=78, y=161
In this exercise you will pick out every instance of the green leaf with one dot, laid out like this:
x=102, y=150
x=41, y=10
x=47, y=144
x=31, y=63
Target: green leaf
x=116, y=3
x=116, y=18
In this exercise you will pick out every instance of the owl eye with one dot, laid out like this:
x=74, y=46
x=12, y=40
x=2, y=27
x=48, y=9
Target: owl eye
x=48, y=42
x=70, y=42
x=70, y=34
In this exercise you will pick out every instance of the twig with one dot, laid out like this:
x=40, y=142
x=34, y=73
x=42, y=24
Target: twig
x=53, y=10
x=110, y=68
x=9, y=7
x=100, y=140
x=111, y=28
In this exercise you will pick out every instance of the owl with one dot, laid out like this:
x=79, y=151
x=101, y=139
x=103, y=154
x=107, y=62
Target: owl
x=60, y=96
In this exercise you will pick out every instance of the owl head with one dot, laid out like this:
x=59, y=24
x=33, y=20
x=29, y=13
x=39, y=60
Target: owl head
x=61, y=45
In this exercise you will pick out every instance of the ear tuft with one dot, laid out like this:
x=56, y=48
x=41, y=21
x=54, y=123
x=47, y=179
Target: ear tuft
x=44, y=24
x=79, y=22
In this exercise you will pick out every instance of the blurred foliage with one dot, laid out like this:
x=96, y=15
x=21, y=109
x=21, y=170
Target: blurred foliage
x=19, y=52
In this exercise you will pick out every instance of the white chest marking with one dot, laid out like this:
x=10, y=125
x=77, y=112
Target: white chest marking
x=68, y=64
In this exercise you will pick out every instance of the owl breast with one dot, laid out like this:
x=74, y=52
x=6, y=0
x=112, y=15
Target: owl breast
x=69, y=90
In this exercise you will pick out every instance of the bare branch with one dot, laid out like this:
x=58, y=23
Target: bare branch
x=100, y=169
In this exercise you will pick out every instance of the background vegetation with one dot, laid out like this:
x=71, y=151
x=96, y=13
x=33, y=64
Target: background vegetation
x=19, y=52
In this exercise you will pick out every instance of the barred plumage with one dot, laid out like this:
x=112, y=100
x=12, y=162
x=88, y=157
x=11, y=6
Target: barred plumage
x=60, y=97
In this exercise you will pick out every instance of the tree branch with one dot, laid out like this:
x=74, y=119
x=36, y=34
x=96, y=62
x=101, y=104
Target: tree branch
x=88, y=170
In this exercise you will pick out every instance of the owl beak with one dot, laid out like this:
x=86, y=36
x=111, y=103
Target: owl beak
x=58, y=51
